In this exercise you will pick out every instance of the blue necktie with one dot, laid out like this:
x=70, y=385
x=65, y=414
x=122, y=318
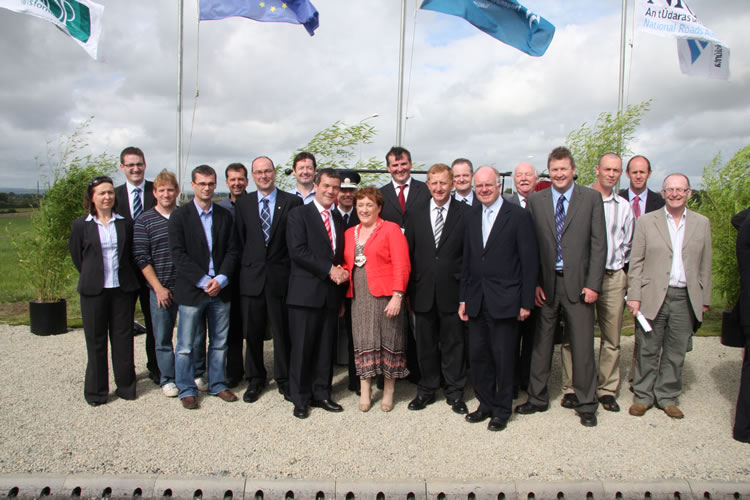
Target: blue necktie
x=137, y=205
x=559, y=223
x=265, y=220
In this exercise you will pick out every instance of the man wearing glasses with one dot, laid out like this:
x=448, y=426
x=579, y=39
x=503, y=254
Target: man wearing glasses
x=133, y=198
x=678, y=240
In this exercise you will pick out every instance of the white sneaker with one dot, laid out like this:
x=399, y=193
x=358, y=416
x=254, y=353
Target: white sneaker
x=170, y=390
x=202, y=383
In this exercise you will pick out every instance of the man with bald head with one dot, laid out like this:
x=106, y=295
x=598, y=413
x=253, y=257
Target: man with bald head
x=525, y=178
x=499, y=273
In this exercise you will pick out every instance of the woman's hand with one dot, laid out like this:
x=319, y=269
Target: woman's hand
x=394, y=307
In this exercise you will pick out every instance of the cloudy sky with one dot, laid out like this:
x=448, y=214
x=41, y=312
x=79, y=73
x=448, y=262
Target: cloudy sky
x=266, y=89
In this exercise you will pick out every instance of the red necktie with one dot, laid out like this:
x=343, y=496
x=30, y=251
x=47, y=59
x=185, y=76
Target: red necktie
x=402, y=198
x=637, y=206
x=327, y=224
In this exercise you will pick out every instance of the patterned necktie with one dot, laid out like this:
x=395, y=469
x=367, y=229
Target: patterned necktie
x=486, y=226
x=637, y=206
x=137, y=205
x=523, y=202
x=265, y=220
x=559, y=223
x=466, y=201
x=402, y=198
x=327, y=224
x=439, y=223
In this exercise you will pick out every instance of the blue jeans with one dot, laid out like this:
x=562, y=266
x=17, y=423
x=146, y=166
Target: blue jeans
x=163, y=321
x=189, y=327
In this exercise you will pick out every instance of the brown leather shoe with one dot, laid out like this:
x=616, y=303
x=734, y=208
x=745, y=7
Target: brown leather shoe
x=227, y=396
x=638, y=409
x=673, y=411
x=190, y=403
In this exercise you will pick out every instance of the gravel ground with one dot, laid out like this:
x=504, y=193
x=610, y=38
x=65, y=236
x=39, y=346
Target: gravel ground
x=47, y=427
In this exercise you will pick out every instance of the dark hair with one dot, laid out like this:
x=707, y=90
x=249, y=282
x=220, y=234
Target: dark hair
x=370, y=192
x=328, y=172
x=561, y=153
x=397, y=152
x=627, y=168
x=203, y=170
x=463, y=160
x=263, y=157
x=88, y=199
x=235, y=167
x=304, y=155
x=131, y=150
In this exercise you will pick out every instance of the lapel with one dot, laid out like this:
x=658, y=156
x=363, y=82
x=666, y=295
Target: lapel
x=281, y=202
x=413, y=193
x=120, y=229
x=450, y=221
x=573, y=205
x=390, y=196
x=92, y=235
x=548, y=209
x=318, y=225
x=689, y=230
x=194, y=221
x=663, y=229
x=500, y=221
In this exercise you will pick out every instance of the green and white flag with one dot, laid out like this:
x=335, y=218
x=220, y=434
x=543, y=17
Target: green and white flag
x=80, y=19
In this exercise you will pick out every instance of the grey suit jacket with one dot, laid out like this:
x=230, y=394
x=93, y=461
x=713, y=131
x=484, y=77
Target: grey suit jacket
x=651, y=262
x=584, y=241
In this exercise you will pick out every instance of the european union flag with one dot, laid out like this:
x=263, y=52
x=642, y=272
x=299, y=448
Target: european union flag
x=272, y=11
x=507, y=20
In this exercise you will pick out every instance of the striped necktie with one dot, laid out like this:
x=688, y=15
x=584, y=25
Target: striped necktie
x=137, y=204
x=327, y=224
x=265, y=220
x=439, y=223
x=559, y=223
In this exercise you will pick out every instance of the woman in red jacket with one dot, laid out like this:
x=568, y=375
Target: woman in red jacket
x=377, y=257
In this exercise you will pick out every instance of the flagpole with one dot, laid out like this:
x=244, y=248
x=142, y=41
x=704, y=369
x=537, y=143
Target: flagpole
x=400, y=104
x=180, y=12
x=621, y=88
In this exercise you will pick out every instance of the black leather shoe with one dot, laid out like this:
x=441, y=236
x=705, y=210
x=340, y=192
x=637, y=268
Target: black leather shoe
x=301, y=412
x=458, y=406
x=497, y=424
x=421, y=402
x=327, y=405
x=155, y=377
x=233, y=382
x=252, y=394
x=477, y=416
x=609, y=403
x=569, y=401
x=529, y=408
x=588, y=419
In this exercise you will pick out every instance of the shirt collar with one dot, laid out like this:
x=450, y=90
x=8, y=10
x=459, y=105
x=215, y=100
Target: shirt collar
x=495, y=207
x=200, y=210
x=90, y=217
x=320, y=207
x=434, y=205
x=632, y=195
x=406, y=184
x=131, y=187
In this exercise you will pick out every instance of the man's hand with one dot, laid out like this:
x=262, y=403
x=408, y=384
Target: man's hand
x=212, y=288
x=634, y=306
x=705, y=308
x=523, y=314
x=163, y=297
x=338, y=275
x=539, y=298
x=462, y=312
x=589, y=296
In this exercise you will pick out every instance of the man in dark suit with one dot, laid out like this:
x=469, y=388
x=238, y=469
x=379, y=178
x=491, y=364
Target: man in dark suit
x=315, y=237
x=463, y=173
x=500, y=266
x=261, y=219
x=203, y=243
x=133, y=198
x=435, y=249
x=569, y=222
x=641, y=199
x=741, y=430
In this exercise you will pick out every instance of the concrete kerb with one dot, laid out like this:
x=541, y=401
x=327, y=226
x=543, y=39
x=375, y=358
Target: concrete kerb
x=296, y=489
x=113, y=487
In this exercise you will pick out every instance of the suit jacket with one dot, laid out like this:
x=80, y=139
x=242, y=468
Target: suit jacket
x=189, y=248
x=387, y=255
x=743, y=262
x=86, y=252
x=436, y=271
x=654, y=200
x=123, y=203
x=264, y=266
x=513, y=198
x=353, y=217
x=651, y=261
x=502, y=273
x=312, y=257
x=418, y=195
x=583, y=241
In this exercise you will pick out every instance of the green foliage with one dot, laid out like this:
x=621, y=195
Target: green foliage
x=43, y=253
x=338, y=146
x=610, y=133
x=726, y=191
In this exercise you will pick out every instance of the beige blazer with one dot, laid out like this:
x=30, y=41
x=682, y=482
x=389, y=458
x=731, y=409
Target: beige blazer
x=651, y=262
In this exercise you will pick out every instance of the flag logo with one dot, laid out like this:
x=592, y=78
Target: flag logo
x=74, y=15
x=696, y=49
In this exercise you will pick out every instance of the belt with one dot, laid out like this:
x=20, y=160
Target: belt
x=610, y=272
x=559, y=273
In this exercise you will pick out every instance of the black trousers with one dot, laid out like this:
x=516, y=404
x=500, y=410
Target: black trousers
x=144, y=296
x=235, y=365
x=108, y=316
x=525, y=345
x=313, y=332
x=257, y=314
x=440, y=351
x=742, y=414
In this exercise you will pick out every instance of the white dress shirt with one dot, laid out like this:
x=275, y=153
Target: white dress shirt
x=620, y=223
x=677, y=276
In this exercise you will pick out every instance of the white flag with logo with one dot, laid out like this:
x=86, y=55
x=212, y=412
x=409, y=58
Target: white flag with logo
x=79, y=19
x=701, y=58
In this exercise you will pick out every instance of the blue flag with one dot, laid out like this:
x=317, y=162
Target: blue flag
x=272, y=11
x=507, y=20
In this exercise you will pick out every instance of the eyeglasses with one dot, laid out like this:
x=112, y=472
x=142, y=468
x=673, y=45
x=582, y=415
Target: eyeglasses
x=133, y=165
x=675, y=190
x=99, y=180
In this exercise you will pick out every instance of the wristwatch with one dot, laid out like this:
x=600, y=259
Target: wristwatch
x=398, y=294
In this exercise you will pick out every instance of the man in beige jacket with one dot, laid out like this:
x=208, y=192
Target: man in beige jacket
x=669, y=283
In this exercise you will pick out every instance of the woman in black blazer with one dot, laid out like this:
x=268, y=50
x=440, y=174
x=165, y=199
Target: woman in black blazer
x=100, y=246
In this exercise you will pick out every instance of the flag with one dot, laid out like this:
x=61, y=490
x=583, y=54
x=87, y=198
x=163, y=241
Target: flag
x=79, y=19
x=701, y=58
x=506, y=20
x=272, y=11
x=672, y=18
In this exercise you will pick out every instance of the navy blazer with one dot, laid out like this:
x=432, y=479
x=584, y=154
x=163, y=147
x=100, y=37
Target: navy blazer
x=419, y=195
x=262, y=266
x=123, y=203
x=503, y=273
x=654, y=200
x=86, y=252
x=312, y=257
x=189, y=248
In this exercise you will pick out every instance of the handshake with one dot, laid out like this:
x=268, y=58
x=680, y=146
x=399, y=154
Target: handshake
x=338, y=275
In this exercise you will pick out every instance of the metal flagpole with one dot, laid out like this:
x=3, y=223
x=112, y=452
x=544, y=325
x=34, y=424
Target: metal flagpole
x=400, y=105
x=621, y=88
x=180, y=9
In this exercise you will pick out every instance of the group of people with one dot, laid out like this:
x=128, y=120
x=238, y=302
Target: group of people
x=419, y=275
